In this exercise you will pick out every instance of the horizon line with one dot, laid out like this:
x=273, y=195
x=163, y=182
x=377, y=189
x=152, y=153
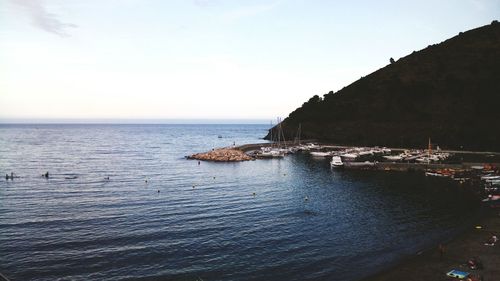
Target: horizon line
x=139, y=121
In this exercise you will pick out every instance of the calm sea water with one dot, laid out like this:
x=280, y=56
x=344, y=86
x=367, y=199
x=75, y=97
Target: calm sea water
x=77, y=225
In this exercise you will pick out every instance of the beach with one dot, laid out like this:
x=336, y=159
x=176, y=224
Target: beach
x=430, y=265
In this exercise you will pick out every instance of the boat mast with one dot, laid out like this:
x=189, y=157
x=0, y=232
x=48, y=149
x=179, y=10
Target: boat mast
x=271, y=132
x=279, y=132
x=429, y=147
x=429, y=150
x=298, y=133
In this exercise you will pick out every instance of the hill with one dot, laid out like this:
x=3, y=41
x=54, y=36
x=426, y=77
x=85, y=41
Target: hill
x=449, y=92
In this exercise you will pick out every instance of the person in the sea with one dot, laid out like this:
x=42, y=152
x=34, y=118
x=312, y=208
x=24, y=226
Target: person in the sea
x=46, y=175
x=492, y=240
x=474, y=263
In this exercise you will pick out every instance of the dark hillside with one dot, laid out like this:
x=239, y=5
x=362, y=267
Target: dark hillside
x=449, y=92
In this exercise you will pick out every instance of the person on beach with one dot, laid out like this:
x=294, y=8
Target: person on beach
x=441, y=250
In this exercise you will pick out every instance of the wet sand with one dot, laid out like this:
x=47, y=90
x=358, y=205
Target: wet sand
x=430, y=266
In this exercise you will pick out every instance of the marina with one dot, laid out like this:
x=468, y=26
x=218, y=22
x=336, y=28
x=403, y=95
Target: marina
x=482, y=177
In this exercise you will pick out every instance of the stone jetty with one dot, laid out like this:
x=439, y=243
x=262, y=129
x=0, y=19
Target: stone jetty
x=222, y=155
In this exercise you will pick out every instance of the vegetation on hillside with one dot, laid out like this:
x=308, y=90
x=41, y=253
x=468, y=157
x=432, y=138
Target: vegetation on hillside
x=449, y=92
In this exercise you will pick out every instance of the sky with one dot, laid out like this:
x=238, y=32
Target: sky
x=205, y=59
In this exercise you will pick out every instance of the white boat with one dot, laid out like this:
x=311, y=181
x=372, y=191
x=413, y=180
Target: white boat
x=361, y=164
x=386, y=150
x=490, y=177
x=336, y=162
x=434, y=158
x=312, y=145
x=350, y=156
x=320, y=154
x=365, y=152
x=494, y=181
x=423, y=160
x=432, y=174
x=272, y=154
x=269, y=152
x=393, y=157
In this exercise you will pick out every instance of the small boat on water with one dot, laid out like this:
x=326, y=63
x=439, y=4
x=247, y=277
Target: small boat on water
x=361, y=164
x=493, y=182
x=385, y=150
x=349, y=156
x=272, y=154
x=336, y=162
x=312, y=145
x=320, y=154
x=269, y=152
x=365, y=152
x=393, y=157
x=423, y=160
x=434, y=174
x=490, y=177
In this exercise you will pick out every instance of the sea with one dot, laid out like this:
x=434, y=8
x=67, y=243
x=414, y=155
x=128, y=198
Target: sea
x=123, y=203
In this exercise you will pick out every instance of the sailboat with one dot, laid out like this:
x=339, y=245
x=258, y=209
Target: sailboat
x=274, y=152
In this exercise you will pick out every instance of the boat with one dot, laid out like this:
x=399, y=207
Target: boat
x=393, y=157
x=386, y=150
x=276, y=150
x=493, y=182
x=423, y=160
x=365, y=152
x=434, y=174
x=349, y=156
x=336, y=162
x=271, y=153
x=361, y=164
x=320, y=154
x=457, y=274
x=490, y=177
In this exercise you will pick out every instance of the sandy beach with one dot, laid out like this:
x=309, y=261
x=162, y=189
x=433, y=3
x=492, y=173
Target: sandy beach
x=431, y=265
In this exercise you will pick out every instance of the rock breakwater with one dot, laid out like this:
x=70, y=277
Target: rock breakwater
x=222, y=155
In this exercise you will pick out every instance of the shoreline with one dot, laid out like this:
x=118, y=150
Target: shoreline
x=469, y=243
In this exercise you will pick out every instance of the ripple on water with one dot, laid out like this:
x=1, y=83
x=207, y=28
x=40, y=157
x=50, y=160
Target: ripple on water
x=241, y=221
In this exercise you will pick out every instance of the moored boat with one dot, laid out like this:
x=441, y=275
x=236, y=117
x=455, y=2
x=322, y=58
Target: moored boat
x=349, y=156
x=393, y=157
x=434, y=174
x=320, y=154
x=336, y=162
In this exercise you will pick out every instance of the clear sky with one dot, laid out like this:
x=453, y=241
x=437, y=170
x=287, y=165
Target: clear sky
x=140, y=59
